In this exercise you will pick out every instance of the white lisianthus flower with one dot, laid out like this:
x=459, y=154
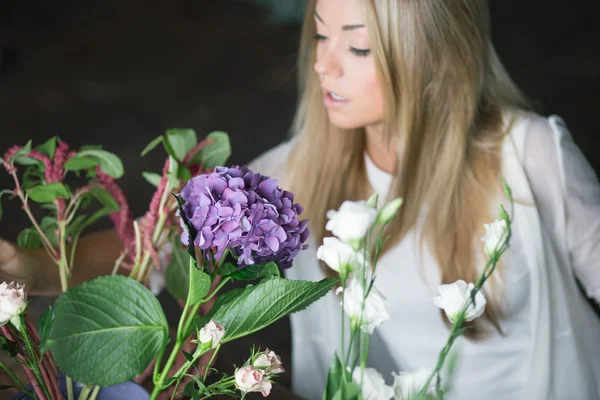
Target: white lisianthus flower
x=13, y=303
x=351, y=222
x=389, y=211
x=375, y=312
x=269, y=362
x=452, y=298
x=211, y=334
x=409, y=384
x=496, y=235
x=248, y=379
x=339, y=256
x=373, y=385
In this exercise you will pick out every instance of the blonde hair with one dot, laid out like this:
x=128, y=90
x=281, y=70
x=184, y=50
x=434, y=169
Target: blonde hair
x=445, y=94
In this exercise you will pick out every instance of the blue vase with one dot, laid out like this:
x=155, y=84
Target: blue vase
x=123, y=391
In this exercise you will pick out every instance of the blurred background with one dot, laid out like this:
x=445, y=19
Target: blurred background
x=120, y=72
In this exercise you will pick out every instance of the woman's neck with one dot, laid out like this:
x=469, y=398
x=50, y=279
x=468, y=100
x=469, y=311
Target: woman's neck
x=383, y=155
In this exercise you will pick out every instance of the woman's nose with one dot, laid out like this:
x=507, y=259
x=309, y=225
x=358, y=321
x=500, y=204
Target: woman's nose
x=328, y=64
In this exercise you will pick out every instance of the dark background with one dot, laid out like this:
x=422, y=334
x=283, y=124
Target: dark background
x=120, y=72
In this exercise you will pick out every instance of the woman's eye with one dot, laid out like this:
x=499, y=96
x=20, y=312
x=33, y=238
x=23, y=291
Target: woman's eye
x=319, y=38
x=360, y=52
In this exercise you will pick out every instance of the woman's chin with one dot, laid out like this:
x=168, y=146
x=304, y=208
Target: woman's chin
x=343, y=121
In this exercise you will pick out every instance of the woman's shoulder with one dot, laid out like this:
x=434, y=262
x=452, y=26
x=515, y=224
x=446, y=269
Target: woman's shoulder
x=272, y=162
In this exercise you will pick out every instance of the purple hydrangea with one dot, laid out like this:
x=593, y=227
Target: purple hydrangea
x=246, y=212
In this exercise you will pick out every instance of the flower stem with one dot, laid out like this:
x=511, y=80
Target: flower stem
x=15, y=379
x=94, y=393
x=35, y=363
x=207, y=366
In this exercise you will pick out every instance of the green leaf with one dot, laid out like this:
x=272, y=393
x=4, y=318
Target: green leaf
x=183, y=174
x=177, y=274
x=199, y=284
x=107, y=331
x=23, y=151
x=217, y=153
x=191, y=391
x=29, y=238
x=110, y=164
x=79, y=162
x=48, y=148
x=152, y=178
x=48, y=193
x=188, y=356
x=259, y=306
x=255, y=271
x=347, y=391
x=152, y=145
x=49, y=227
x=334, y=378
x=4, y=387
x=45, y=325
x=227, y=269
x=10, y=347
x=105, y=198
x=167, y=383
x=24, y=159
x=172, y=173
x=181, y=141
x=223, y=298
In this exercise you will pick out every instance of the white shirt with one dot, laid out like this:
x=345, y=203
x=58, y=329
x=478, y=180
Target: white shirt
x=535, y=334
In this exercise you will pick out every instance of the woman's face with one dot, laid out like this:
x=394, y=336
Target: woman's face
x=351, y=90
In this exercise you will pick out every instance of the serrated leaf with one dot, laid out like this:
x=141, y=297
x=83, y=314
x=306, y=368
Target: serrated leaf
x=107, y=331
x=255, y=271
x=79, y=162
x=105, y=198
x=110, y=164
x=29, y=238
x=152, y=145
x=152, y=178
x=217, y=153
x=45, y=325
x=177, y=274
x=181, y=141
x=48, y=193
x=259, y=306
x=48, y=147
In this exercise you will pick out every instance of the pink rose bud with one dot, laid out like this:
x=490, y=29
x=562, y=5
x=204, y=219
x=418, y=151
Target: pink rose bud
x=13, y=303
x=248, y=379
x=269, y=362
x=211, y=334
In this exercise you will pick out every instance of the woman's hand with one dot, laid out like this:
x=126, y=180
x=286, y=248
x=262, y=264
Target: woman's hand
x=20, y=265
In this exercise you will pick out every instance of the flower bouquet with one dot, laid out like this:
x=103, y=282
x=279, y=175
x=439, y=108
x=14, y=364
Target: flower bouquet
x=221, y=224
x=353, y=252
